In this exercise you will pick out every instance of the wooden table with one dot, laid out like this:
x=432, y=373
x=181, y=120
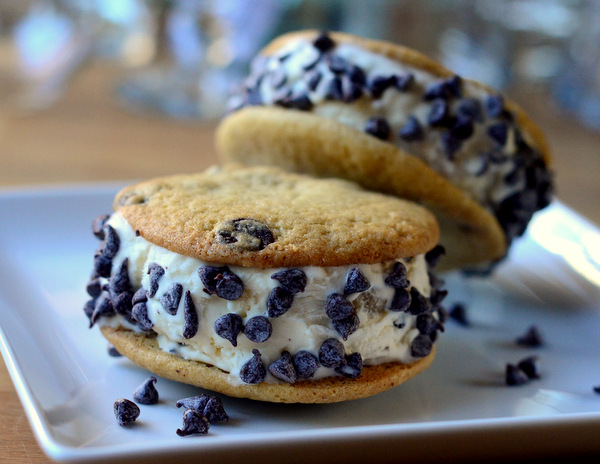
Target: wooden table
x=88, y=137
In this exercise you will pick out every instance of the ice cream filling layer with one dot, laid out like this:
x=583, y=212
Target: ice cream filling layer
x=265, y=324
x=458, y=128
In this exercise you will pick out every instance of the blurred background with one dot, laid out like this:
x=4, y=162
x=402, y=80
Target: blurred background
x=88, y=84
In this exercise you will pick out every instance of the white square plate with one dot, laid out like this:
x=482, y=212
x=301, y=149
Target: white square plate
x=458, y=408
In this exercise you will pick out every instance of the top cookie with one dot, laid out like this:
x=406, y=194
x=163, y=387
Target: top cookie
x=265, y=217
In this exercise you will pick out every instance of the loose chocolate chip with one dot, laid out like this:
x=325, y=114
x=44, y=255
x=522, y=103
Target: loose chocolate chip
x=596, y=389
x=126, y=411
x=194, y=402
x=228, y=326
x=347, y=326
x=378, y=127
x=155, y=271
x=139, y=312
x=248, y=234
x=306, y=364
x=146, y=393
x=515, y=376
x=323, y=42
x=283, y=368
x=428, y=325
x=94, y=287
x=279, y=302
x=253, y=371
x=469, y=108
x=334, y=89
x=190, y=316
x=401, y=300
x=111, y=244
x=292, y=280
x=337, y=307
x=331, y=353
x=397, y=278
x=462, y=128
x=352, y=367
x=313, y=81
x=113, y=352
x=458, y=312
x=532, y=338
x=404, y=82
x=411, y=131
x=379, y=84
x=171, y=298
x=98, y=226
x=258, y=329
x=229, y=286
x=193, y=423
x=141, y=296
x=419, y=304
x=433, y=256
x=102, y=265
x=119, y=282
x=214, y=410
x=499, y=133
x=530, y=367
x=103, y=308
x=438, y=114
x=450, y=145
x=421, y=346
x=356, y=282
x=494, y=106
x=208, y=276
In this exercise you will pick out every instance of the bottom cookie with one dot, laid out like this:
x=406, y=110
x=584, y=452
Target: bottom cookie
x=144, y=351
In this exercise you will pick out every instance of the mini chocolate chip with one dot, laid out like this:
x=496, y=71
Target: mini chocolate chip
x=397, y=278
x=350, y=90
x=306, y=364
x=494, y=106
x=499, y=133
x=155, y=271
x=141, y=296
x=428, y=325
x=258, y=329
x=253, y=371
x=214, y=410
x=88, y=309
x=279, y=302
x=347, y=326
x=462, y=128
x=419, y=304
x=111, y=244
x=119, y=282
x=193, y=402
x=102, y=308
x=139, y=312
x=314, y=80
x=458, y=312
x=171, y=298
x=378, y=127
x=292, y=280
x=102, y=265
x=113, y=352
x=300, y=102
x=337, y=64
x=411, y=131
x=356, y=75
x=515, y=376
x=94, y=287
x=283, y=368
x=190, y=316
x=437, y=89
x=401, y=300
x=400, y=322
x=146, y=393
x=454, y=85
x=469, y=108
x=379, y=84
x=98, y=225
x=352, y=367
x=356, y=282
x=450, y=145
x=229, y=286
x=248, y=234
x=208, y=276
x=532, y=338
x=123, y=305
x=530, y=367
x=438, y=113
x=331, y=353
x=337, y=307
x=323, y=42
x=334, y=89
x=228, y=326
x=126, y=411
x=437, y=296
x=421, y=346
x=433, y=256
x=596, y=389
x=193, y=423
x=404, y=82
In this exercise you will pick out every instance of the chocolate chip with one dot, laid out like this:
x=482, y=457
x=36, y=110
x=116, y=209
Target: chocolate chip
x=314, y=80
x=450, y=145
x=356, y=75
x=258, y=329
x=323, y=42
x=246, y=233
x=331, y=353
x=228, y=326
x=126, y=411
x=379, y=84
x=214, y=410
x=401, y=300
x=445, y=89
x=306, y=364
x=193, y=423
x=292, y=280
x=428, y=325
x=596, y=389
x=193, y=402
x=88, y=309
x=337, y=307
x=411, y=131
x=469, y=108
x=94, y=287
x=530, y=367
x=300, y=102
x=103, y=308
x=458, y=312
x=102, y=265
x=397, y=278
x=279, y=302
x=350, y=90
x=229, y=286
x=253, y=371
x=438, y=113
x=454, y=85
x=356, y=282
x=141, y=296
x=494, y=106
x=347, y=326
x=283, y=368
x=462, y=128
x=156, y=272
x=146, y=393
x=337, y=64
x=190, y=316
x=352, y=367
x=532, y=338
x=419, y=304
x=98, y=226
x=139, y=312
x=433, y=256
x=119, y=282
x=171, y=298
x=113, y=352
x=123, y=305
x=515, y=376
x=111, y=244
x=334, y=89
x=404, y=82
x=208, y=276
x=421, y=346
x=498, y=133
x=378, y=127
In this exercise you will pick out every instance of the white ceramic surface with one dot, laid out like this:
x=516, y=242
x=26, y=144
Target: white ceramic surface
x=458, y=408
